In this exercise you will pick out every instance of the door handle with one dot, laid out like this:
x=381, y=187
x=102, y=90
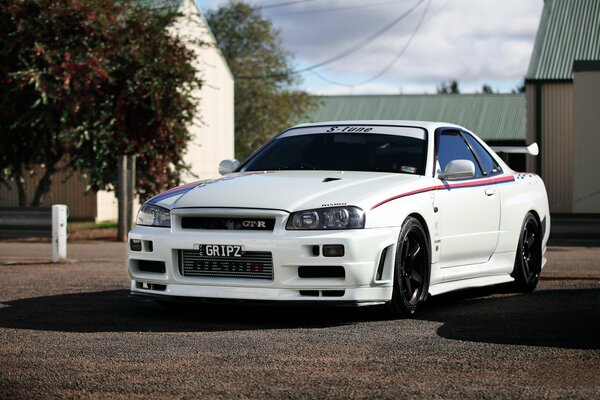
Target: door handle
x=490, y=192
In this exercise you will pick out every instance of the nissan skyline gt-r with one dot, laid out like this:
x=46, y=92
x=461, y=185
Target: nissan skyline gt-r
x=346, y=212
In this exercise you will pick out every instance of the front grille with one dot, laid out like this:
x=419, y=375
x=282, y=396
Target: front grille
x=232, y=224
x=251, y=265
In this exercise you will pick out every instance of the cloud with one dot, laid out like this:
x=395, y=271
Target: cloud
x=472, y=41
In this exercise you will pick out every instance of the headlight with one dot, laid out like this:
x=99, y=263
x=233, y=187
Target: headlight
x=151, y=215
x=327, y=218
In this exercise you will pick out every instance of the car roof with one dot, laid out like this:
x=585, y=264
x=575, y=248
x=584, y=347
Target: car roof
x=429, y=125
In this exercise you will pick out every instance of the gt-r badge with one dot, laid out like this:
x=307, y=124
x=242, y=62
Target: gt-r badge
x=254, y=224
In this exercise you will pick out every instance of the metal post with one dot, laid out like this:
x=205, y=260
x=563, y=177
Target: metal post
x=59, y=233
x=122, y=197
x=130, y=190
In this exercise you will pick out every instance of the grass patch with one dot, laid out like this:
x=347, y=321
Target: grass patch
x=92, y=231
x=88, y=226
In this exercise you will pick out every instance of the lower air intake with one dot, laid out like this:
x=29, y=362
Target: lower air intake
x=321, y=271
x=151, y=266
x=250, y=265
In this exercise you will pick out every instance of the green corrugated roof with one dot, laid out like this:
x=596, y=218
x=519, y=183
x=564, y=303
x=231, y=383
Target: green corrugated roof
x=494, y=117
x=569, y=31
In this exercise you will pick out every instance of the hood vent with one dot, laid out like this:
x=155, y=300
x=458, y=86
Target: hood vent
x=331, y=179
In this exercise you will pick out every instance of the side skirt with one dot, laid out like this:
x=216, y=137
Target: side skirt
x=444, y=287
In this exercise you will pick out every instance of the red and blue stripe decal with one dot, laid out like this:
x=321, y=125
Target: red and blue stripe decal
x=457, y=185
x=173, y=192
x=180, y=190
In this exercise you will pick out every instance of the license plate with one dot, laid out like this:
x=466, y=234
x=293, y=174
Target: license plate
x=220, y=250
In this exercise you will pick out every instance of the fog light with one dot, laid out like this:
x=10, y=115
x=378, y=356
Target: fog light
x=333, y=250
x=135, y=244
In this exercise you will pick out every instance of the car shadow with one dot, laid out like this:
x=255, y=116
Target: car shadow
x=553, y=318
x=568, y=318
x=115, y=311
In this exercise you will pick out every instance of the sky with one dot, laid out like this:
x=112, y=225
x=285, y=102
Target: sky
x=403, y=46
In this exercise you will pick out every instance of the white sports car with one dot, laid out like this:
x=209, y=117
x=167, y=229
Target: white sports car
x=347, y=212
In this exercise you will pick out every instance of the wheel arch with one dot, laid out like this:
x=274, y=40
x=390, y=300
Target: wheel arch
x=423, y=223
x=542, y=223
x=536, y=215
x=528, y=259
x=543, y=226
x=400, y=305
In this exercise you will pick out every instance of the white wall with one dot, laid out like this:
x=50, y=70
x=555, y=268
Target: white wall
x=213, y=134
x=107, y=206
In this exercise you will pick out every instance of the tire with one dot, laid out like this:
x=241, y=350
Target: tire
x=412, y=269
x=528, y=260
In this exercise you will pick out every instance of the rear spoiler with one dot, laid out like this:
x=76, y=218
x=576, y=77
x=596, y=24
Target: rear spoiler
x=532, y=149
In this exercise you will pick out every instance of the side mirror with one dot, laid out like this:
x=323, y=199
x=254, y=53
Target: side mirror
x=457, y=169
x=228, y=166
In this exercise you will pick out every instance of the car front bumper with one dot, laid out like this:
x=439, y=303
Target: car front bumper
x=367, y=263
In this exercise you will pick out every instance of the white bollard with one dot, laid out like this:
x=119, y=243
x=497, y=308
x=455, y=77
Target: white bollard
x=59, y=233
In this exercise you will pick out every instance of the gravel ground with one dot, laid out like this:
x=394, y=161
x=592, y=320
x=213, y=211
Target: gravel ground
x=70, y=331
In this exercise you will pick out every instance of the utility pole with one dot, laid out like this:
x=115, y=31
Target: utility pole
x=122, y=196
x=125, y=195
x=130, y=190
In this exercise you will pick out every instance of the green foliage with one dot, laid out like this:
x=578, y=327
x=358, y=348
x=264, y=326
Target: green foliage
x=264, y=101
x=520, y=88
x=84, y=81
x=450, y=87
x=487, y=89
x=151, y=105
x=86, y=226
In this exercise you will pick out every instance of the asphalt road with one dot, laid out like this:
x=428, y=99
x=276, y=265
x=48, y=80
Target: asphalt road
x=70, y=331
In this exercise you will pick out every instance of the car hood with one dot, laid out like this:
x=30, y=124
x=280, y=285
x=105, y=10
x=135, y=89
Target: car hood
x=285, y=190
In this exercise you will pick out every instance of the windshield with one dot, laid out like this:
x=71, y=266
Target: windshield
x=305, y=149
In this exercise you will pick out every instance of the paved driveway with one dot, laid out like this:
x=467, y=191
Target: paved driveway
x=70, y=331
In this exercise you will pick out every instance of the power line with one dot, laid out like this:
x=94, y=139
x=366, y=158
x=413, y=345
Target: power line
x=363, y=43
x=334, y=9
x=375, y=49
x=287, y=3
x=390, y=65
x=352, y=49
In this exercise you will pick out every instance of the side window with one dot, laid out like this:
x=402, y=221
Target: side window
x=489, y=165
x=453, y=147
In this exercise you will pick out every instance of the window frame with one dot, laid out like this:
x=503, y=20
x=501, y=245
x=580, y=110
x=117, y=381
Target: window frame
x=499, y=171
x=460, y=133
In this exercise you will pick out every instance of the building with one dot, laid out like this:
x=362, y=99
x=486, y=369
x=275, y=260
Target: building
x=212, y=131
x=499, y=119
x=563, y=104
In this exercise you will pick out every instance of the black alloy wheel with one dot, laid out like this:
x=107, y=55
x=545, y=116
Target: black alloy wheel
x=528, y=261
x=412, y=268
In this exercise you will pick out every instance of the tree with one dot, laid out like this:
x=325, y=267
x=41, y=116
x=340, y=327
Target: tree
x=520, y=88
x=151, y=105
x=264, y=101
x=487, y=89
x=50, y=80
x=87, y=80
x=450, y=87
